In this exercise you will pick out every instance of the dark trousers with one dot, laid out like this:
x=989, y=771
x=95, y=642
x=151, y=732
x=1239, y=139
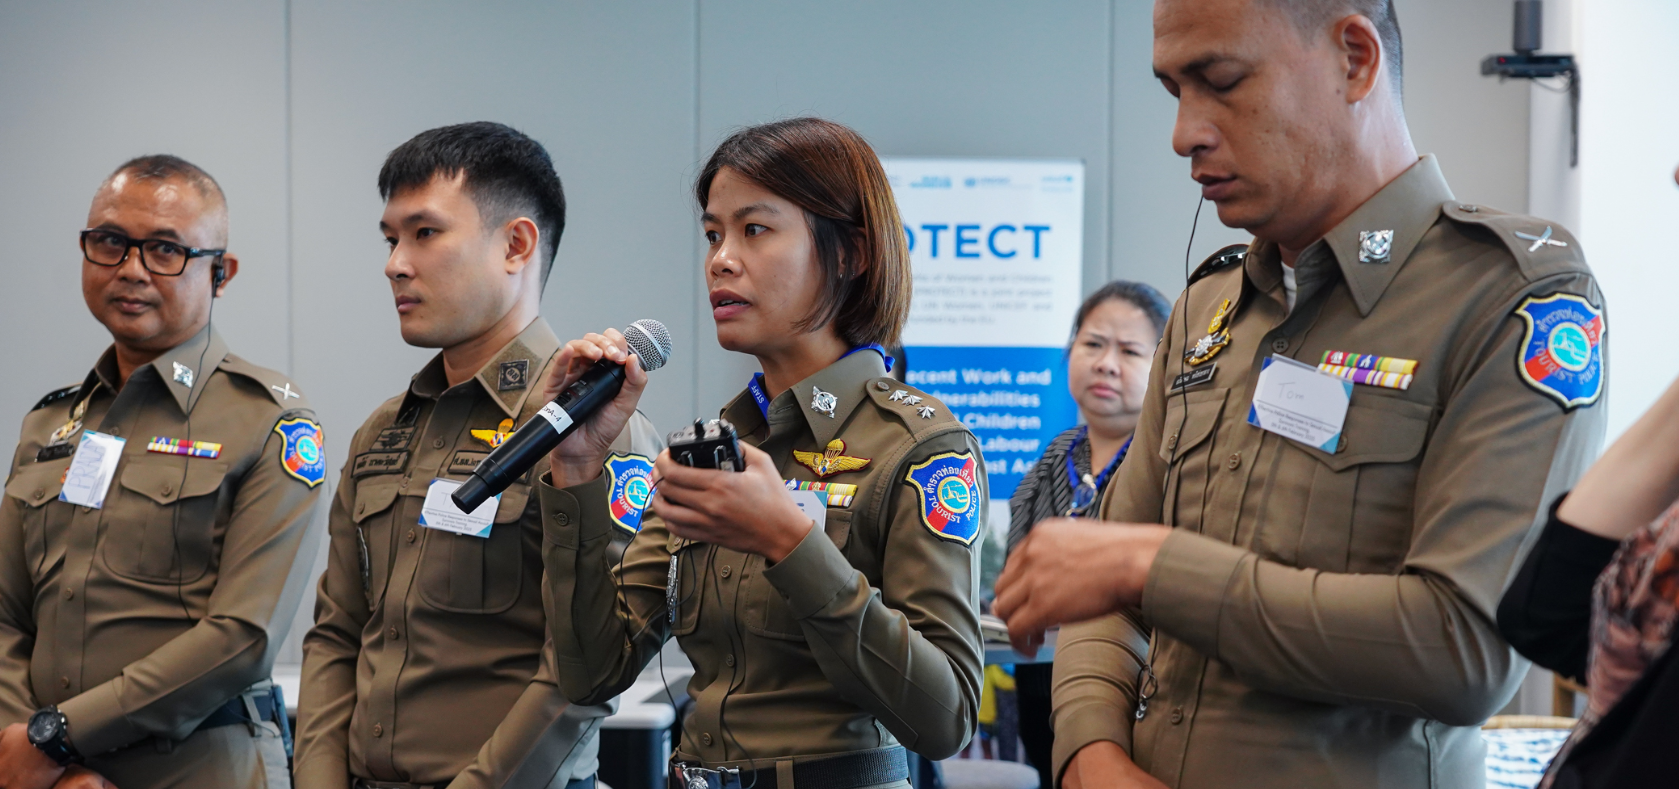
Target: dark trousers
x=1032, y=686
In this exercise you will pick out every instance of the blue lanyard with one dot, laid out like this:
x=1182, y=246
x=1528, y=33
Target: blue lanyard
x=762, y=398
x=1102, y=479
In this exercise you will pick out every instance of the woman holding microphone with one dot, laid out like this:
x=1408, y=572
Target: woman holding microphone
x=828, y=638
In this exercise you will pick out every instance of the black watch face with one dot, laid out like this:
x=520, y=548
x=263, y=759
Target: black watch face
x=43, y=726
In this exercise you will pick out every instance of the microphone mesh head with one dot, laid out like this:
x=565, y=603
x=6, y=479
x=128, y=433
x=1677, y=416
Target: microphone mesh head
x=649, y=340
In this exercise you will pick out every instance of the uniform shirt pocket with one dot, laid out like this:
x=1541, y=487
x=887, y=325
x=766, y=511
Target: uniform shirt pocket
x=767, y=613
x=374, y=518
x=36, y=485
x=161, y=526
x=1186, y=440
x=477, y=575
x=1360, y=505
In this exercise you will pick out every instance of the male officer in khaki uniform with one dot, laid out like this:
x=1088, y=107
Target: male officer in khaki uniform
x=429, y=664
x=1321, y=612
x=142, y=599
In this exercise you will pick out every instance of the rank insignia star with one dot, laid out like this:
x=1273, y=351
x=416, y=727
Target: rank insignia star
x=831, y=461
x=925, y=411
x=898, y=396
x=495, y=438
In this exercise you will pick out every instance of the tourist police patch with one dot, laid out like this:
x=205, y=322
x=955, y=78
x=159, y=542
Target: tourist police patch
x=632, y=488
x=1562, y=353
x=949, y=489
x=302, y=454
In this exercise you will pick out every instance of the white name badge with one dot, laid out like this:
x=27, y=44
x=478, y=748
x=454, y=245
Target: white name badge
x=813, y=506
x=1299, y=402
x=91, y=469
x=439, y=511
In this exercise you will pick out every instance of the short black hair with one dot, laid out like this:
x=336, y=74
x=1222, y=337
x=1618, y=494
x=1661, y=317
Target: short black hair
x=507, y=174
x=1311, y=16
x=1138, y=294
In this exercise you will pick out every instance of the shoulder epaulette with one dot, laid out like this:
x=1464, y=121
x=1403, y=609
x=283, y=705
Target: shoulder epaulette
x=57, y=395
x=1541, y=248
x=279, y=387
x=1220, y=260
x=920, y=413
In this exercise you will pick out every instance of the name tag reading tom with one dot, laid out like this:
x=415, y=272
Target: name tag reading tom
x=439, y=511
x=91, y=470
x=1299, y=402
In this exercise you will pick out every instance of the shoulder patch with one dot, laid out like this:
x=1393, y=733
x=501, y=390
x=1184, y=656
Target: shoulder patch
x=1541, y=248
x=632, y=488
x=1225, y=258
x=949, y=487
x=303, y=450
x=1562, y=353
x=57, y=395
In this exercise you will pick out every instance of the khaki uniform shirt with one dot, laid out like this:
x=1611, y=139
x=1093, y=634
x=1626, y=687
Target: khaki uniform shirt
x=1327, y=618
x=141, y=618
x=427, y=662
x=864, y=637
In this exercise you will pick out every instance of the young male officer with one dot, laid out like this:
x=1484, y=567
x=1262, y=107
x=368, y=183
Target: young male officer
x=155, y=535
x=1353, y=429
x=429, y=664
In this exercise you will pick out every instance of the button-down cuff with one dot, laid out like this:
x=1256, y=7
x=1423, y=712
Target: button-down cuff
x=812, y=575
x=97, y=722
x=1186, y=587
x=572, y=516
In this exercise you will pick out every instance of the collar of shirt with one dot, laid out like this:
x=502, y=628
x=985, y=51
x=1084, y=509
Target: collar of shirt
x=1409, y=206
x=845, y=379
x=534, y=347
x=207, y=344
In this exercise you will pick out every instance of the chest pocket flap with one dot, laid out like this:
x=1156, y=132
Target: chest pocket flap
x=1377, y=430
x=375, y=495
x=38, y=484
x=1203, y=407
x=161, y=479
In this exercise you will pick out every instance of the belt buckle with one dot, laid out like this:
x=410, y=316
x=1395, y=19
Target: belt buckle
x=685, y=777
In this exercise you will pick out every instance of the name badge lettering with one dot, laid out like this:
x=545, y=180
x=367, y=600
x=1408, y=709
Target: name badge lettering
x=1194, y=377
x=1299, y=402
x=91, y=469
x=439, y=511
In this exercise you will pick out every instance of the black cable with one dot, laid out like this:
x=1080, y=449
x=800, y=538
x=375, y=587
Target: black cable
x=199, y=376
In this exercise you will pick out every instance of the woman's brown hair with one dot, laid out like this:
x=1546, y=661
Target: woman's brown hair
x=831, y=173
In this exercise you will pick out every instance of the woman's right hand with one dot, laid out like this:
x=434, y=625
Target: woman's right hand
x=579, y=458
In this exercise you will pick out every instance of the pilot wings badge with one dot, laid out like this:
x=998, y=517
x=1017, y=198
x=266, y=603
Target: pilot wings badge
x=831, y=461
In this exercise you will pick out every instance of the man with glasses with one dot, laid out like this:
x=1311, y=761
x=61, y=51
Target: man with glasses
x=156, y=529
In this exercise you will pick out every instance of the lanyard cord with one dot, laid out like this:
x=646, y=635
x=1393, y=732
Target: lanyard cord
x=762, y=397
x=1073, y=477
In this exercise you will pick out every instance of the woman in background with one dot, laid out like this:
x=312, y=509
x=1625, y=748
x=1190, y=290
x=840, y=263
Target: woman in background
x=1114, y=336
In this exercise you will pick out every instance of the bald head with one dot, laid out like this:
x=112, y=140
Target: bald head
x=157, y=169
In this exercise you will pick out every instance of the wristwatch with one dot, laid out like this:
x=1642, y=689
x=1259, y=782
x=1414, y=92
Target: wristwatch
x=49, y=730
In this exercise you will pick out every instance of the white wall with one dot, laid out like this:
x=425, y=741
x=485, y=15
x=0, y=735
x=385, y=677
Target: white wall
x=292, y=105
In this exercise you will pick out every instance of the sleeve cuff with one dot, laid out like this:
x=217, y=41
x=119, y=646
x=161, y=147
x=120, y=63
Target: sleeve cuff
x=812, y=575
x=1185, y=591
x=97, y=722
x=574, y=515
x=1575, y=546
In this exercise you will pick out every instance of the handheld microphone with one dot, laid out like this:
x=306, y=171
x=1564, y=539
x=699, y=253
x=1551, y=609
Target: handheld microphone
x=648, y=340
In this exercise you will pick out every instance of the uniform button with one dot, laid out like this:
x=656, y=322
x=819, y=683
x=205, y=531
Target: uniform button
x=361, y=509
x=881, y=385
x=1235, y=461
x=705, y=739
x=1177, y=715
x=39, y=493
x=729, y=661
x=1279, y=345
x=1172, y=442
x=69, y=594
x=168, y=489
x=378, y=730
x=391, y=633
x=411, y=535
x=404, y=485
x=437, y=443
x=64, y=682
x=115, y=431
x=562, y=519
x=725, y=573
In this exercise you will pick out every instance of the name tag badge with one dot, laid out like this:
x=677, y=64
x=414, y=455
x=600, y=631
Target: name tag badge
x=1195, y=377
x=1299, y=402
x=813, y=505
x=91, y=470
x=439, y=511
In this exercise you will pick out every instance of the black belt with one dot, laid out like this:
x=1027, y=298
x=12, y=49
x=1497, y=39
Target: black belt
x=363, y=783
x=234, y=712
x=846, y=771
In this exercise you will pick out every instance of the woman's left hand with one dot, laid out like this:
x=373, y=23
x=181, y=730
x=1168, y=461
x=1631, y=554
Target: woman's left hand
x=747, y=511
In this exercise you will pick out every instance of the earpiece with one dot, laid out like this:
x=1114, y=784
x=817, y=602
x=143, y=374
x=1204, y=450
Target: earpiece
x=218, y=275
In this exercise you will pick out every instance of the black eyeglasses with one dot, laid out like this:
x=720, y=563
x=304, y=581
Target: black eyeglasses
x=164, y=258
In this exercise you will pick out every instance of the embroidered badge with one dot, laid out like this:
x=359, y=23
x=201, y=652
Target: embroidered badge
x=831, y=461
x=465, y=461
x=823, y=402
x=494, y=438
x=394, y=438
x=836, y=494
x=1366, y=368
x=1562, y=353
x=1375, y=246
x=632, y=488
x=183, y=374
x=514, y=375
x=176, y=446
x=302, y=453
x=381, y=462
x=950, y=505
